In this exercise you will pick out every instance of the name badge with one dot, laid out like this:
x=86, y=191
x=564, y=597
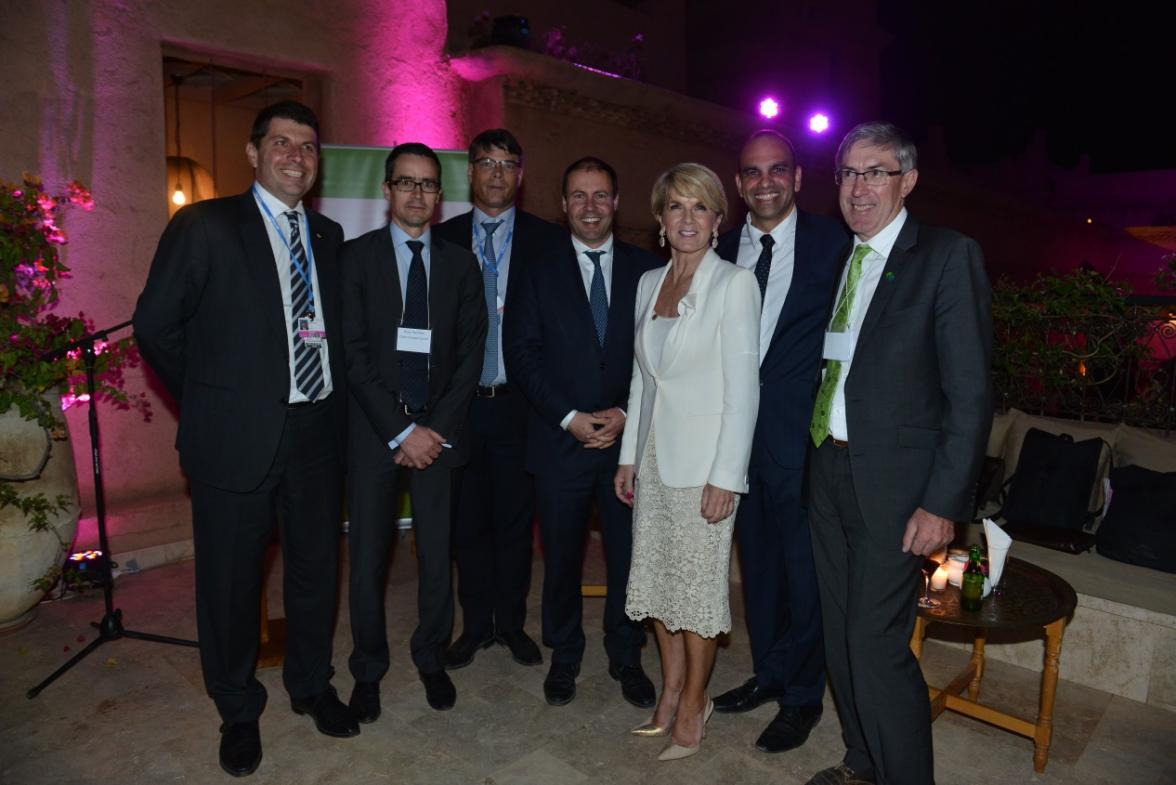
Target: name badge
x=839, y=346
x=312, y=331
x=412, y=339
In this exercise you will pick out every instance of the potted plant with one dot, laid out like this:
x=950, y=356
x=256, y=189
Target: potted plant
x=39, y=505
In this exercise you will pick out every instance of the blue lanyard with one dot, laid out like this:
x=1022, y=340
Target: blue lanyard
x=501, y=251
x=302, y=273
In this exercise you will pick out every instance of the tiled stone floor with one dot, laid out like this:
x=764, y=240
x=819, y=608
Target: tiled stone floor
x=136, y=712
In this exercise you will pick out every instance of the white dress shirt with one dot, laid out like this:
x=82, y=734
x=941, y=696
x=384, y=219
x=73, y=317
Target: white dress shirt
x=779, y=275
x=278, y=232
x=880, y=246
x=587, y=270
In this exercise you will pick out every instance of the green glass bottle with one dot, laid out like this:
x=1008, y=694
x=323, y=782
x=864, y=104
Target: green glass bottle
x=972, y=588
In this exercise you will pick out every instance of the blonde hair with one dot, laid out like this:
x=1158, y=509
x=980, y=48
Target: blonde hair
x=693, y=181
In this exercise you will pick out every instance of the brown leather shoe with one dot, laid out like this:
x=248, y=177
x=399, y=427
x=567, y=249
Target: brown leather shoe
x=839, y=775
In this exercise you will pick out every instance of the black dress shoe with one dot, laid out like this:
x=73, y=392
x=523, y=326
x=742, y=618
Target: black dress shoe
x=240, y=748
x=522, y=648
x=439, y=690
x=461, y=652
x=330, y=716
x=745, y=697
x=635, y=685
x=839, y=775
x=789, y=729
x=560, y=685
x=365, y=701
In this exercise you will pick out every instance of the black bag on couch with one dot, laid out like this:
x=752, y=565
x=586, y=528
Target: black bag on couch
x=1140, y=527
x=1050, y=490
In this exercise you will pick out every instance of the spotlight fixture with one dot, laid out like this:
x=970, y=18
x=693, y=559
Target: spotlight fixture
x=819, y=123
x=769, y=108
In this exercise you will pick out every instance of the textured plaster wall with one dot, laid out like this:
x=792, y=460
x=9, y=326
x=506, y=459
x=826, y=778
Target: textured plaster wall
x=83, y=95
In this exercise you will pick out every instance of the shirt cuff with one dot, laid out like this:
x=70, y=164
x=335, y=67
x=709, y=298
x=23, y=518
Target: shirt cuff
x=396, y=442
x=567, y=420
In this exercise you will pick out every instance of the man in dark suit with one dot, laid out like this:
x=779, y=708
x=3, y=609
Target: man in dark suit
x=569, y=349
x=794, y=255
x=413, y=331
x=900, y=425
x=241, y=319
x=492, y=527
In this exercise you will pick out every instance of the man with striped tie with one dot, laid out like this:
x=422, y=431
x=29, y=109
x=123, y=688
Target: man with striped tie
x=240, y=319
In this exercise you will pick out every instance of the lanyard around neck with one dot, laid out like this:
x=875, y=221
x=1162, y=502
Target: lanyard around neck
x=303, y=273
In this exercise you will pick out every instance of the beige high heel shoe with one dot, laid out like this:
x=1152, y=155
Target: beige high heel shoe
x=677, y=751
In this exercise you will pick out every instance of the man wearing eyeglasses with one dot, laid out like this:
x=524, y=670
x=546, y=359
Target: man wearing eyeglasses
x=492, y=529
x=899, y=429
x=413, y=331
x=794, y=255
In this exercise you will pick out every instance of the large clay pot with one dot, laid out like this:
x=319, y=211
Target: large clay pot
x=33, y=463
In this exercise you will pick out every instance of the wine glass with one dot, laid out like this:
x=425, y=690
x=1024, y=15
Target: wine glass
x=930, y=565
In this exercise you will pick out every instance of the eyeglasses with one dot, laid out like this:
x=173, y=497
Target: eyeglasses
x=869, y=177
x=779, y=170
x=489, y=164
x=408, y=185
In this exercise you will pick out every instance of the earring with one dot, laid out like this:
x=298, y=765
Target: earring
x=715, y=237
x=661, y=237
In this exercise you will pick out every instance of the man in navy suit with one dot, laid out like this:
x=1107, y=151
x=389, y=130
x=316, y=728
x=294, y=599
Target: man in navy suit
x=241, y=319
x=795, y=259
x=492, y=528
x=569, y=349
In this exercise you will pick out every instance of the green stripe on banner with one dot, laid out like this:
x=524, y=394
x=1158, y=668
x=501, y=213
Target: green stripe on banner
x=350, y=172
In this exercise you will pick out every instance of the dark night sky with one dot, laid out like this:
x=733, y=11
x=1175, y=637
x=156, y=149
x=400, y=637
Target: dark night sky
x=1098, y=78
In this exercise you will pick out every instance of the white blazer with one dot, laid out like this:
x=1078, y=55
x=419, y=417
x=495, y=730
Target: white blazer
x=703, y=398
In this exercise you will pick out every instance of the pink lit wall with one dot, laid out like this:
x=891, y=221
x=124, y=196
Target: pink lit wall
x=83, y=95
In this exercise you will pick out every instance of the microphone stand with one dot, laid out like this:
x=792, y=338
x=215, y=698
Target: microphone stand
x=110, y=628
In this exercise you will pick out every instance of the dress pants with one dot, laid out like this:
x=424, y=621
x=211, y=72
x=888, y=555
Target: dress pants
x=780, y=586
x=493, y=526
x=868, y=593
x=371, y=501
x=231, y=531
x=565, y=504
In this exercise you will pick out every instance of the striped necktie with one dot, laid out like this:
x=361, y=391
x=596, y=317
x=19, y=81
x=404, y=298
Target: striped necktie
x=308, y=364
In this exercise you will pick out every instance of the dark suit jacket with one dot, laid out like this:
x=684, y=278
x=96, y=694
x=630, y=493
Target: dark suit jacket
x=790, y=371
x=918, y=395
x=553, y=355
x=210, y=323
x=372, y=307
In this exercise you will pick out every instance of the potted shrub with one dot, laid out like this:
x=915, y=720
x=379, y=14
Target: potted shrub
x=38, y=485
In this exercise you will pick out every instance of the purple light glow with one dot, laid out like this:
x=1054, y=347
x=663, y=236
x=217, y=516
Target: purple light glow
x=819, y=123
x=769, y=108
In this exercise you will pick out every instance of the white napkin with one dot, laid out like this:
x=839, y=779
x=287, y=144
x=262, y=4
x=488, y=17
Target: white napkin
x=998, y=550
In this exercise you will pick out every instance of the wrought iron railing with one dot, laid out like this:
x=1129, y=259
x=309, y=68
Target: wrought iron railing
x=1077, y=346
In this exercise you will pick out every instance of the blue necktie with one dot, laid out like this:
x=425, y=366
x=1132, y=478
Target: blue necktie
x=598, y=298
x=490, y=286
x=414, y=366
x=308, y=365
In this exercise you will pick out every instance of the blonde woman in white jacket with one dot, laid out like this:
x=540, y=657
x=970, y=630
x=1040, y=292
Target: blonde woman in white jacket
x=692, y=408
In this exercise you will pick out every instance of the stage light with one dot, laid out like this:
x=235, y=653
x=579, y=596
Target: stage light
x=819, y=123
x=84, y=568
x=769, y=108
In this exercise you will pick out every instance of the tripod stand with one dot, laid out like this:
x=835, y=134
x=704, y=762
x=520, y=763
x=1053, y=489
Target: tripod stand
x=110, y=628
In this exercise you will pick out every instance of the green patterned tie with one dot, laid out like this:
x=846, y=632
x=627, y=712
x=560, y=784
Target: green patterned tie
x=819, y=428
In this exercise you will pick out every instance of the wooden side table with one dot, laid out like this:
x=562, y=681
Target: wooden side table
x=1031, y=597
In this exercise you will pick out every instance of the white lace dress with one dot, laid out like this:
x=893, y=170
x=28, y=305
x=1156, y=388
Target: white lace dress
x=680, y=567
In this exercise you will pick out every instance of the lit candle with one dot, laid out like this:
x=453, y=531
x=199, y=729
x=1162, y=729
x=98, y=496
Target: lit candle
x=955, y=569
x=939, y=579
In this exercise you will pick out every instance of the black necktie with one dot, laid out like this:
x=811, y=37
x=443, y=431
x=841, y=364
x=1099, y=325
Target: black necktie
x=414, y=366
x=308, y=365
x=763, y=265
